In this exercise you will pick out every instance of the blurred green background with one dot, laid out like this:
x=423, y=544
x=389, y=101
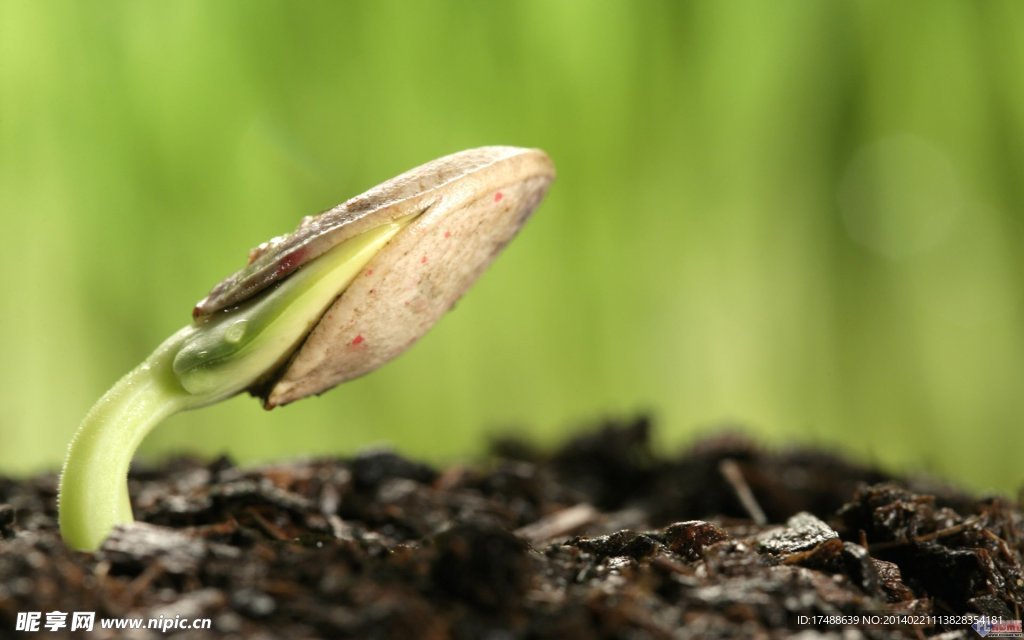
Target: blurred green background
x=802, y=217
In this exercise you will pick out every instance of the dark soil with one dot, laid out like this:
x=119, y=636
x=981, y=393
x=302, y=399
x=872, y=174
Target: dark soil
x=604, y=538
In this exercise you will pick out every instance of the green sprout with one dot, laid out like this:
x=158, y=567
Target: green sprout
x=347, y=291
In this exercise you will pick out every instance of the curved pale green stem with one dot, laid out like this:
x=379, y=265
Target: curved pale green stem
x=93, y=487
x=197, y=366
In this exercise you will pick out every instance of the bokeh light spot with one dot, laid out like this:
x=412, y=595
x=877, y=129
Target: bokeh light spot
x=900, y=196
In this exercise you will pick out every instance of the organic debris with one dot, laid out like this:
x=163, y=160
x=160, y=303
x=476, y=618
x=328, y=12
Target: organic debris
x=602, y=539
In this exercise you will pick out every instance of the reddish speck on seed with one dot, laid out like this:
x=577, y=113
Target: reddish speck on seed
x=498, y=196
x=447, y=234
x=369, y=272
x=288, y=263
x=357, y=339
x=423, y=260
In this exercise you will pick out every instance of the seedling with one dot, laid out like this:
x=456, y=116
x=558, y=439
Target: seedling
x=344, y=293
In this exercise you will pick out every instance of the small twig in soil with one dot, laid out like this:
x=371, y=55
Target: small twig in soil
x=734, y=476
x=141, y=584
x=560, y=523
x=268, y=527
x=1000, y=543
x=928, y=537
